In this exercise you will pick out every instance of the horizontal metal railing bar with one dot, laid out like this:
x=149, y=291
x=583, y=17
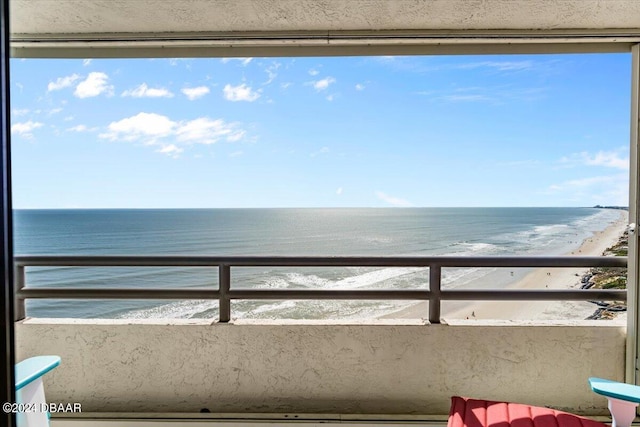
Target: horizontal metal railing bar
x=318, y=261
x=333, y=294
x=415, y=294
x=225, y=294
x=117, y=293
x=535, y=295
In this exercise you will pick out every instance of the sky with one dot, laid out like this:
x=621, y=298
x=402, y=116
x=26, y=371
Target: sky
x=388, y=131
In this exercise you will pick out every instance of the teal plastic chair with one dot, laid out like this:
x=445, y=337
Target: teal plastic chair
x=30, y=401
x=623, y=399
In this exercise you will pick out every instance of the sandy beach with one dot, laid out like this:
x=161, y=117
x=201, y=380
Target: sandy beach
x=543, y=278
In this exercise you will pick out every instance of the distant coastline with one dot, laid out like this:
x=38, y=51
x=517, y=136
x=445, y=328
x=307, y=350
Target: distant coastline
x=624, y=208
x=545, y=278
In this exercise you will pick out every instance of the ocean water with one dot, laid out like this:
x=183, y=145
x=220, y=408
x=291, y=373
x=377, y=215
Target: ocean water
x=366, y=231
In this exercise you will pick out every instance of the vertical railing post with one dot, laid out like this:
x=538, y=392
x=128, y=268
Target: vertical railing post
x=224, y=274
x=19, y=283
x=435, y=273
x=633, y=267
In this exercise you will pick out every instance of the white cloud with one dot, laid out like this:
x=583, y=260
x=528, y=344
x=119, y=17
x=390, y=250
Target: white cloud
x=243, y=61
x=144, y=91
x=466, y=98
x=323, y=150
x=236, y=136
x=498, y=65
x=171, y=150
x=94, y=85
x=603, y=190
x=236, y=154
x=411, y=65
x=20, y=112
x=497, y=95
x=360, y=86
x=271, y=71
x=240, y=93
x=609, y=159
x=323, y=84
x=174, y=61
x=206, y=131
x=195, y=92
x=386, y=60
x=62, y=82
x=145, y=126
x=25, y=129
x=313, y=72
x=158, y=130
x=82, y=128
x=395, y=201
x=586, y=182
x=339, y=191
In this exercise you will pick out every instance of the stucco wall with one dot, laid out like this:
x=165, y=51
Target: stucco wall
x=384, y=368
x=46, y=18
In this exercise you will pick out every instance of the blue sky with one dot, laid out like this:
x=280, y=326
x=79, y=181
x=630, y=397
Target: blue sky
x=512, y=130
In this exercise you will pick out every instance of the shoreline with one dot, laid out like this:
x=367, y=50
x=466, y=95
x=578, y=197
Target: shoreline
x=549, y=278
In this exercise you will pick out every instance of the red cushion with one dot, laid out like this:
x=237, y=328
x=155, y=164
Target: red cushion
x=467, y=412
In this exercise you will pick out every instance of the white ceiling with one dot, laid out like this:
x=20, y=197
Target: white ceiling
x=74, y=27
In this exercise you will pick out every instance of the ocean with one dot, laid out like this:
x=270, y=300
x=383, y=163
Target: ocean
x=362, y=231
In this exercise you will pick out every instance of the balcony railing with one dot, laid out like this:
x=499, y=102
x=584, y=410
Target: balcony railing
x=225, y=293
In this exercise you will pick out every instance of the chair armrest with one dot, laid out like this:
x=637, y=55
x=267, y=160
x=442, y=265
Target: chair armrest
x=33, y=368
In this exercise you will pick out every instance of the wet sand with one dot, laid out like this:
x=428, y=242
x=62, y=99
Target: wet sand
x=543, y=278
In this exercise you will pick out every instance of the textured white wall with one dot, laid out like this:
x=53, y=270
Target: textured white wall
x=183, y=366
x=162, y=16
